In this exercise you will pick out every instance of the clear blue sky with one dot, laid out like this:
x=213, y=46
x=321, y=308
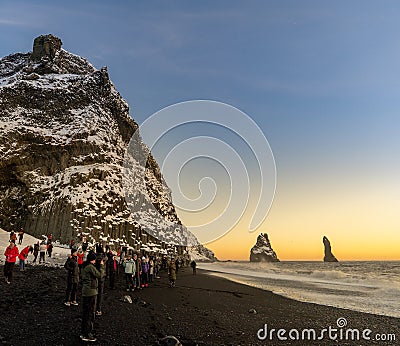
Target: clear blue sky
x=321, y=79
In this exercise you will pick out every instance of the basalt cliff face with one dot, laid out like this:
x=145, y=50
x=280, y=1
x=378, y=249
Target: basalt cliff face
x=64, y=129
x=329, y=257
x=262, y=251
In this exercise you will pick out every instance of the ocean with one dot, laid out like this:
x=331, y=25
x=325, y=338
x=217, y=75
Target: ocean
x=365, y=286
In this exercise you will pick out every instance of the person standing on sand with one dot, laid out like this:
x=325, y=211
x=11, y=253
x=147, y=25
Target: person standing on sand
x=23, y=256
x=11, y=254
x=172, y=273
x=42, y=249
x=85, y=244
x=100, y=290
x=80, y=255
x=20, y=236
x=138, y=272
x=109, y=255
x=13, y=237
x=113, y=269
x=155, y=259
x=151, y=270
x=35, y=251
x=130, y=268
x=90, y=277
x=72, y=279
x=99, y=249
x=145, y=272
x=193, y=264
x=49, y=249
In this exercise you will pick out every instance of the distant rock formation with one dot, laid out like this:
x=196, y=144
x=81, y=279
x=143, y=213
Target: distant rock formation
x=329, y=257
x=262, y=251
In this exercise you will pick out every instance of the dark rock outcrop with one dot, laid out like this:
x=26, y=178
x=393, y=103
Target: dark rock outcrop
x=329, y=257
x=45, y=46
x=262, y=251
x=64, y=129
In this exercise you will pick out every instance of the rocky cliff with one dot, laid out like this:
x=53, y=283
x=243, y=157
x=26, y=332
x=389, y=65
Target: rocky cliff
x=64, y=129
x=262, y=251
x=329, y=257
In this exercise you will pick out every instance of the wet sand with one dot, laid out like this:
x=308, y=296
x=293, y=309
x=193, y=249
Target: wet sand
x=200, y=310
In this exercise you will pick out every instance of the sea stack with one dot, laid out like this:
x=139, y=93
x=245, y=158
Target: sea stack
x=329, y=257
x=262, y=251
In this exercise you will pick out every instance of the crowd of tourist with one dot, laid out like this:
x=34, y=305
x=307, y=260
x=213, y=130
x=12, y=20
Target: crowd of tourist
x=92, y=268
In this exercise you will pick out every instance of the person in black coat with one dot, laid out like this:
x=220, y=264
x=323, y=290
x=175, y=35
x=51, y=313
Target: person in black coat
x=71, y=265
x=193, y=265
x=113, y=269
x=35, y=251
x=100, y=258
x=49, y=249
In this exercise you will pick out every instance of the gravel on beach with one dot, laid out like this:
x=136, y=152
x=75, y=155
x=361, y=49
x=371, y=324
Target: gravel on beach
x=201, y=310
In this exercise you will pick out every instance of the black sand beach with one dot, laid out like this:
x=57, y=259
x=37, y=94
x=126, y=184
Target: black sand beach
x=200, y=310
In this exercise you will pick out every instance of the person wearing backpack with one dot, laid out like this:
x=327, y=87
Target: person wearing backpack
x=71, y=265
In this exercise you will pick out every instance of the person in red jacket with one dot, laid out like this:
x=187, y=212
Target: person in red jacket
x=80, y=255
x=23, y=255
x=11, y=254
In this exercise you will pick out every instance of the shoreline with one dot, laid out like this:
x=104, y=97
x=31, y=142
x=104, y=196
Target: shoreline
x=201, y=310
x=241, y=280
x=358, y=286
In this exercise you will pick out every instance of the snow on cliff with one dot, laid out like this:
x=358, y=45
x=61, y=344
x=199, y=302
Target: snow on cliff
x=64, y=130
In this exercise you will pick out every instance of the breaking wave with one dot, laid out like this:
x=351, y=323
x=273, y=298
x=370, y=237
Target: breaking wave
x=372, y=287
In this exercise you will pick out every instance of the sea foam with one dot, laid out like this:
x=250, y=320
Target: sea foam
x=369, y=286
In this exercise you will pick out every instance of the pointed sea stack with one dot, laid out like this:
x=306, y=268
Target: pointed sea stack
x=329, y=257
x=262, y=251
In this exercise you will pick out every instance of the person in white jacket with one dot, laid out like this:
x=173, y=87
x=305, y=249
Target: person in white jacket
x=42, y=250
x=130, y=269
